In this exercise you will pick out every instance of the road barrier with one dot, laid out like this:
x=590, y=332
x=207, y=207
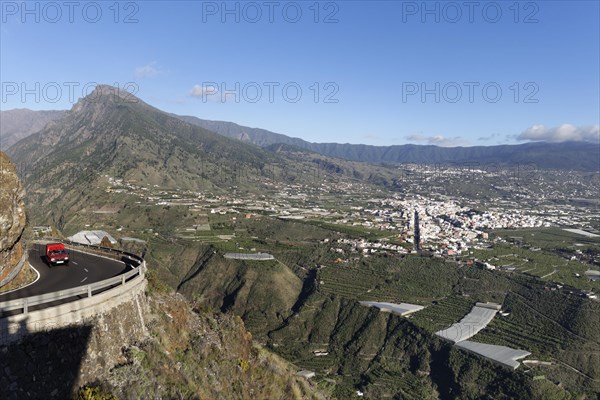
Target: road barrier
x=15, y=270
x=138, y=272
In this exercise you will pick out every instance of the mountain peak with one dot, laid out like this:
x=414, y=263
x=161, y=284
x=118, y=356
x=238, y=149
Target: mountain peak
x=108, y=90
x=105, y=95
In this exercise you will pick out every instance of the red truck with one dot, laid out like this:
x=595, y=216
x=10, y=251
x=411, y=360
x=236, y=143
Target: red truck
x=56, y=253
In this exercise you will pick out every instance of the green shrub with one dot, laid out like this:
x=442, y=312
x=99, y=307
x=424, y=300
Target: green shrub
x=94, y=393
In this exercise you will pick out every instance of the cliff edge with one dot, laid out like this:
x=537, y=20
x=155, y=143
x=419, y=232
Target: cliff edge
x=12, y=220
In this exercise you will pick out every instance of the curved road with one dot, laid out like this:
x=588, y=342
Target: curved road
x=83, y=269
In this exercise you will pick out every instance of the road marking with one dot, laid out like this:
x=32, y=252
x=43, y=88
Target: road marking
x=84, y=279
x=86, y=270
x=29, y=284
x=73, y=262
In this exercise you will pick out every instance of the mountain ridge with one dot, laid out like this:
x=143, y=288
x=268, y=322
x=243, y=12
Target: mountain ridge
x=17, y=124
x=106, y=127
x=564, y=155
x=115, y=134
x=546, y=155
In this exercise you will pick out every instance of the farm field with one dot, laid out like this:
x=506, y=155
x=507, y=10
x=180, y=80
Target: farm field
x=393, y=279
x=544, y=264
x=319, y=309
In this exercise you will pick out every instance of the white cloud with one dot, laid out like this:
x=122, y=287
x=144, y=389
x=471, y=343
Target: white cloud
x=562, y=133
x=147, y=71
x=494, y=135
x=417, y=137
x=437, y=140
x=199, y=91
x=212, y=93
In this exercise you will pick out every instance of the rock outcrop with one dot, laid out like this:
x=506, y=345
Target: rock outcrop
x=154, y=347
x=12, y=219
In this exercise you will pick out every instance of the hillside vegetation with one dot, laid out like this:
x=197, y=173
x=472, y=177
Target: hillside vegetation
x=198, y=354
x=385, y=355
x=117, y=164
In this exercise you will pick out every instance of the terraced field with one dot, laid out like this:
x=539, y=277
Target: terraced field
x=320, y=365
x=531, y=327
x=541, y=263
x=504, y=331
x=391, y=279
x=539, y=325
x=350, y=281
x=443, y=313
x=549, y=238
x=387, y=386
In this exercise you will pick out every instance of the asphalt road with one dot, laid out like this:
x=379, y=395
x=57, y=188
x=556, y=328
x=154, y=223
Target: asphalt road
x=82, y=269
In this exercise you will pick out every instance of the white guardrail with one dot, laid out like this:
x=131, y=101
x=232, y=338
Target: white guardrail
x=15, y=270
x=88, y=290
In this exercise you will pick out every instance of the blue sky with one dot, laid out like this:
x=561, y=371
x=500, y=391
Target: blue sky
x=378, y=72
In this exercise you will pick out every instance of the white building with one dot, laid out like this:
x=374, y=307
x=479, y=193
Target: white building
x=91, y=237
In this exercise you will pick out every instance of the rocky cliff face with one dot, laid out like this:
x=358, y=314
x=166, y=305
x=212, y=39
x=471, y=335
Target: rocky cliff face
x=154, y=347
x=12, y=219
